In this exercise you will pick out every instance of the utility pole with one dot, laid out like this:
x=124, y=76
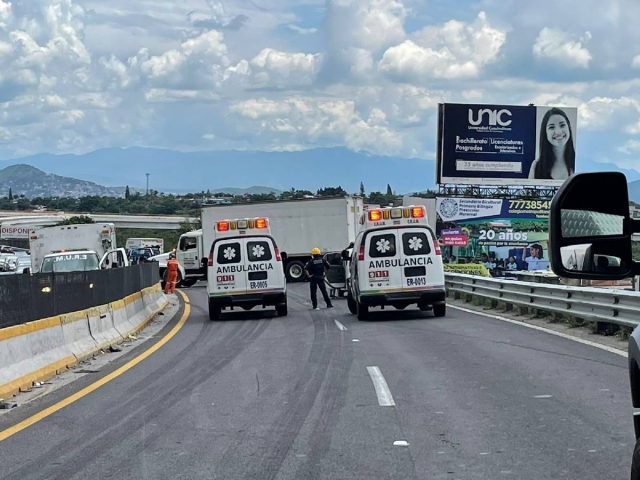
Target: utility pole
x=147, y=174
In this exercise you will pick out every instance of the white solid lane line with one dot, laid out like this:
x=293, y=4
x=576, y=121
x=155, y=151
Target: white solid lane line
x=339, y=325
x=385, y=399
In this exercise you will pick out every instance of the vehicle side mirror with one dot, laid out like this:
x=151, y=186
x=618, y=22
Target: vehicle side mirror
x=590, y=228
x=284, y=256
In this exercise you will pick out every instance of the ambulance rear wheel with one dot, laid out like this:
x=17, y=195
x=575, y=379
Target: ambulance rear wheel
x=351, y=303
x=295, y=271
x=440, y=310
x=362, y=311
x=282, y=309
x=214, y=312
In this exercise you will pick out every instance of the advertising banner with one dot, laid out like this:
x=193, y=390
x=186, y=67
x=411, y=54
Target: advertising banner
x=14, y=231
x=504, y=230
x=505, y=145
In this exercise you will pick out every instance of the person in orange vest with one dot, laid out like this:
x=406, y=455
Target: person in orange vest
x=172, y=274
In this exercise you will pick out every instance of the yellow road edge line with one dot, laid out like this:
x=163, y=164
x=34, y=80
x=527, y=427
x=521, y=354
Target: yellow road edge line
x=27, y=422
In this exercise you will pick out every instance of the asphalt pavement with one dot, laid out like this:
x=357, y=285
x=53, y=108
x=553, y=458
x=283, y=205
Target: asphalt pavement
x=319, y=395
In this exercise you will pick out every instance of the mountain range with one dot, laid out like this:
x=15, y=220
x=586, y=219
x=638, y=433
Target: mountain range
x=181, y=172
x=32, y=182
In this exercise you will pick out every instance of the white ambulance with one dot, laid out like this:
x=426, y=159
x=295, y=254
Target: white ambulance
x=245, y=267
x=396, y=261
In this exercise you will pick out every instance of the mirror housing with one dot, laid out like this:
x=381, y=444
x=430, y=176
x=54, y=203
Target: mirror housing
x=590, y=228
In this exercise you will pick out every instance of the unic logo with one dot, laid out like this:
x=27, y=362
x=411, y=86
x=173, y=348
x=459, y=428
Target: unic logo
x=495, y=117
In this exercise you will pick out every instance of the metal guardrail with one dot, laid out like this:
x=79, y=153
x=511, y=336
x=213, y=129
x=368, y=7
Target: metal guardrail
x=592, y=304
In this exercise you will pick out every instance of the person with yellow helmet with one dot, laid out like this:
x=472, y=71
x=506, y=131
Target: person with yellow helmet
x=315, y=272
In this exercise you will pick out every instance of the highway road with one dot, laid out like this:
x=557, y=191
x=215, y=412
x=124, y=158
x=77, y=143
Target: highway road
x=319, y=395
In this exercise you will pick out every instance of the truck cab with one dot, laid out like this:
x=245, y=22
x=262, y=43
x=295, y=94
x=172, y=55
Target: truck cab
x=191, y=255
x=82, y=260
x=245, y=268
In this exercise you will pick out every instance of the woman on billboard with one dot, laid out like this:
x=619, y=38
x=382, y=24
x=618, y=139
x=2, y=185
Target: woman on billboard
x=556, y=151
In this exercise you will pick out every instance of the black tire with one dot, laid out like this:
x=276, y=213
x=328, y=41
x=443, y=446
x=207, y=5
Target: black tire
x=362, y=311
x=440, y=310
x=188, y=282
x=214, y=312
x=295, y=271
x=163, y=277
x=351, y=303
x=635, y=462
x=282, y=309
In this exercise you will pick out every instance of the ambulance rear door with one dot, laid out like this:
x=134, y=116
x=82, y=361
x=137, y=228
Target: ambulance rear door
x=229, y=261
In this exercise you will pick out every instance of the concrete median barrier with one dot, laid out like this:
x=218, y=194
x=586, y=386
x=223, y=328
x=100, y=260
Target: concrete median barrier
x=102, y=327
x=36, y=351
x=32, y=352
x=77, y=336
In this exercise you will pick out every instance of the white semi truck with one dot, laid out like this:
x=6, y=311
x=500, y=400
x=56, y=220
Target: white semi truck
x=91, y=239
x=330, y=224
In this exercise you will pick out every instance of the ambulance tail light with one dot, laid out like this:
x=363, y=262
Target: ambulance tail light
x=277, y=252
x=437, y=248
x=210, y=259
x=375, y=215
x=417, y=212
x=261, y=223
x=361, y=253
x=396, y=213
x=223, y=226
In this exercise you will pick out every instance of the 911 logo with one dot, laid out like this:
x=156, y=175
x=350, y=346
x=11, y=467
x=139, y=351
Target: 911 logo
x=226, y=278
x=379, y=274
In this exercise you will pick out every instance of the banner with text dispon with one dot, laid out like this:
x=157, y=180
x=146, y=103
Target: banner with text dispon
x=505, y=144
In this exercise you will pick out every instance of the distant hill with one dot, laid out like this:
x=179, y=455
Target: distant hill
x=183, y=172
x=32, y=182
x=634, y=191
x=255, y=190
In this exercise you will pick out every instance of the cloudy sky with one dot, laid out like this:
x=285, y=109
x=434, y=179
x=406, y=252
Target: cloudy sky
x=285, y=75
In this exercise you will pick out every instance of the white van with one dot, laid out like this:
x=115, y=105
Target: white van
x=396, y=261
x=245, y=268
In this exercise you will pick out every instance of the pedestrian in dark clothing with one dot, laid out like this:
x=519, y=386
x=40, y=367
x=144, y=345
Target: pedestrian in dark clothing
x=315, y=271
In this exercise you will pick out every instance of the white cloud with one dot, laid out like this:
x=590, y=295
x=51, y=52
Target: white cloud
x=604, y=113
x=561, y=48
x=451, y=51
x=302, y=31
x=275, y=67
x=635, y=63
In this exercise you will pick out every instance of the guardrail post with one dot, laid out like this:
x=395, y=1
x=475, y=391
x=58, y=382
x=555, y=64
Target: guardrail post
x=456, y=295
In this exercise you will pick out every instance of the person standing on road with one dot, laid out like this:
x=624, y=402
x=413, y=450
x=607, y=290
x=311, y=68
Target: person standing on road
x=315, y=272
x=172, y=274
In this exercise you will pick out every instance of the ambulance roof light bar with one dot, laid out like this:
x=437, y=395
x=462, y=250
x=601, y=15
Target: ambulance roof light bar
x=259, y=223
x=394, y=213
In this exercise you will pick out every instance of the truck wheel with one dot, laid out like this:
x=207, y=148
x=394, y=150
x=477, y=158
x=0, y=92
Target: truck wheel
x=295, y=271
x=351, y=303
x=189, y=282
x=635, y=462
x=282, y=309
x=362, y=311
x=440, y=310
x=163, y=277
x=214, y=312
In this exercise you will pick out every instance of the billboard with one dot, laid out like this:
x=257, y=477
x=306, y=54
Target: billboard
x=505, y=144
x=15, y=231
x=502, y=229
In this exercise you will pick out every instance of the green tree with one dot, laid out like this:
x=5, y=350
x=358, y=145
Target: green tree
x=10, y=194
x=332, y=192
x=127, y=193
x=362, y=192
x=77, y=220
x=389, y=191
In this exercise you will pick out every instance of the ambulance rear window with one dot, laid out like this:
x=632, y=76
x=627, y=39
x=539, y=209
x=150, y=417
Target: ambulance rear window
x=259, y=251
x=229, y=253
x=382, y=245
x=415, y=243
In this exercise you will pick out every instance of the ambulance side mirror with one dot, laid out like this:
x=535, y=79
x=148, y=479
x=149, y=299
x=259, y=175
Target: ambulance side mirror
x=284, y=256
